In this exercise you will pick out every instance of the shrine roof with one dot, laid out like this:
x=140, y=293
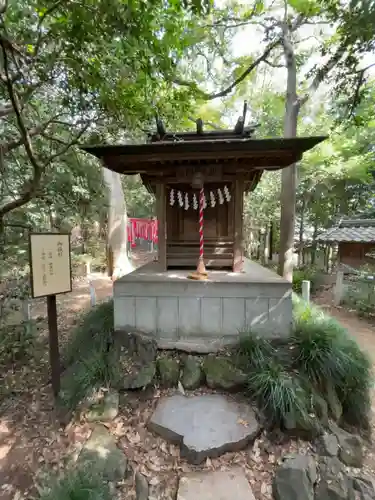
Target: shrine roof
x=351, y=231
x=264, y=154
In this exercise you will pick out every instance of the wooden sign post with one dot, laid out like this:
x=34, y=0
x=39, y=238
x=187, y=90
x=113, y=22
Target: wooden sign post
x=50, y=270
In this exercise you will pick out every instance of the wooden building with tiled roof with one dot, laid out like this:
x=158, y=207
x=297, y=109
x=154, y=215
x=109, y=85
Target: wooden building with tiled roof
x=355, y=239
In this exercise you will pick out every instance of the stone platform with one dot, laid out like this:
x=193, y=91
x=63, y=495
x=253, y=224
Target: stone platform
x=205, y=426
x=202, y=316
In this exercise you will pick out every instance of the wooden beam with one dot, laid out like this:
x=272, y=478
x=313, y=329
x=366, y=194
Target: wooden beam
x=161, y=205
x=238, y=225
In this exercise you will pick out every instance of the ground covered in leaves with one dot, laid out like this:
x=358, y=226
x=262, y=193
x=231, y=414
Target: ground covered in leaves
x=34, y=441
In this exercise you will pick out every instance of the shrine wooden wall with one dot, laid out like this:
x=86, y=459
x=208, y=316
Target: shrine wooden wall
x=183, y=231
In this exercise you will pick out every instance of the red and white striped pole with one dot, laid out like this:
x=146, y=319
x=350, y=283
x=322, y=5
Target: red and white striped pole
x=201, y=269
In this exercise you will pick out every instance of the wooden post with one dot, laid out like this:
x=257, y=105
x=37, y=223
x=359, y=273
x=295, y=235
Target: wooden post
x=339, y=288
x=306, y=291
x=54, y=354
x=162, y=225
x=238, y=226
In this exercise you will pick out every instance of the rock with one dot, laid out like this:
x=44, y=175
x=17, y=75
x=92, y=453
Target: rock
x=334, y=483
x=365, y=486
x=222, y=374
x=334, y=405
x=192, y=375
x=295, y=478
x=102, y=454
x=140, y=376
x=141, y=486
x=105, y=408
x=141, y=347
x=215, y=485
x=168, y=371
x=205, y=426
x=328, y=445
x=351, y=451
x=300, y=427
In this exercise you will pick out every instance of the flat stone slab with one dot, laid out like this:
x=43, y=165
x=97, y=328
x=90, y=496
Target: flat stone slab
x=102, y=455
x=105, y=408
x=216, y=485
x=205, y=426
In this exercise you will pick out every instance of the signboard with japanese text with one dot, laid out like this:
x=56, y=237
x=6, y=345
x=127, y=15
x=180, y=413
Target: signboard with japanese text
x=50, y=264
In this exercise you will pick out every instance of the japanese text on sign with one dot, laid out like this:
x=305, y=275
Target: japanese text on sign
x=50, y=264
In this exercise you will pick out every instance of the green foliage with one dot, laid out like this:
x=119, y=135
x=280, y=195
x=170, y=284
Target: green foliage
x=78, y=484
x=139, y=202
x=360, y=296
x=17, y=342
x=319, y=372
x=90, y=356
x=279, y=394
x=253, y=351
x=304, y=274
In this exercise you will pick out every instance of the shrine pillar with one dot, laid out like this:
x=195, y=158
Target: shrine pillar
x=162, y=225
x=238, y=225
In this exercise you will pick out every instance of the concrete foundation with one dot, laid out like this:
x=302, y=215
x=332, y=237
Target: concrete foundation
x=202, y=316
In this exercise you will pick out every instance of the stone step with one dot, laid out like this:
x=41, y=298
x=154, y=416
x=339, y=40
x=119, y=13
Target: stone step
x=215, y=485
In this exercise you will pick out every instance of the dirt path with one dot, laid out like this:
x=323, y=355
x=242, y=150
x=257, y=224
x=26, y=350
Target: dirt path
x=363, y=331
x=31, y=438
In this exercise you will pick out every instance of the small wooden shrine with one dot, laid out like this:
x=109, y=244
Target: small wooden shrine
x=199, y=180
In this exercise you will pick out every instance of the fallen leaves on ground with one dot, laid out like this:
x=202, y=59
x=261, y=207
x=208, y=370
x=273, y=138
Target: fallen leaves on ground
x=32, y=442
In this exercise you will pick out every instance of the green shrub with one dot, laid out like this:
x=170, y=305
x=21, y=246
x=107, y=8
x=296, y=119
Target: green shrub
x=319, y=372
x=94, y=333
x=360, y=296
x=319, y=350
x=302, y=274
x=17, y=342
x=80, y=484
x=90, y=356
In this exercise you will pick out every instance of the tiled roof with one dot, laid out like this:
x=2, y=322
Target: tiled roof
x=351, y=230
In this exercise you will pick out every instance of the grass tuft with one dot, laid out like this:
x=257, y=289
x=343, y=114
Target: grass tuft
x=319, y=372
x=90, y=356
x=279, y=394
x=253, y=351
x=80, y=484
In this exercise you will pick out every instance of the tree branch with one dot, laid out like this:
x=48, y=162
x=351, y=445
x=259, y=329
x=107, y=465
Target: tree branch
x=67, y=145
x=273, y=65
x=6, y=147
x=238, y=80
x=321, y=74
x=30, y=186
x=295, y=25
x=40, y=24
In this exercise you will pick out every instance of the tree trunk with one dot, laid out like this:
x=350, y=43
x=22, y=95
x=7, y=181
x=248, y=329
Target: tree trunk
x=271, y=241
x=314, y=243
x=117, y=237
x=259, y=242
x=301, y=231
x=289, y=174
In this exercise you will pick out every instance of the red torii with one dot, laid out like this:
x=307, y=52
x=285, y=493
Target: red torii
x=144, y=229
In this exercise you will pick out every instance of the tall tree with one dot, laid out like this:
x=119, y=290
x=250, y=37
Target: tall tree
x=68, y=69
